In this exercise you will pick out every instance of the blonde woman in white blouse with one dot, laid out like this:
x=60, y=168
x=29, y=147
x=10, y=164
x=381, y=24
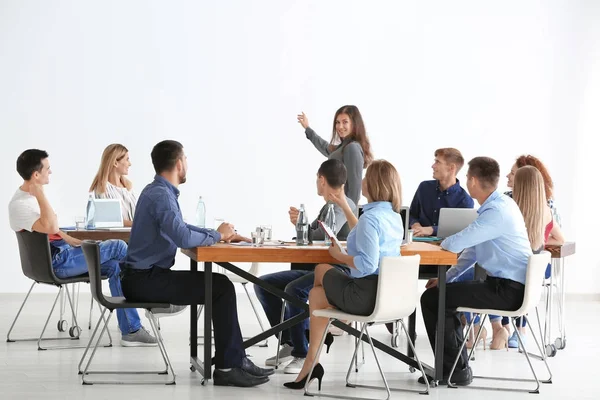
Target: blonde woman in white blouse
x=111, y=182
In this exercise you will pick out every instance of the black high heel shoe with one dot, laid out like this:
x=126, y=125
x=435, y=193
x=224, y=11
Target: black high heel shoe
x=328, y=339
x=317, y=374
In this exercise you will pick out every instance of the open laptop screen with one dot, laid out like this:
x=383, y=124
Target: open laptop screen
x=108, y=213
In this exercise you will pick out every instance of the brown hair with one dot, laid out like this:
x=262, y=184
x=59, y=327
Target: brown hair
x=111, y=154
x=529, y=194
x=535, y=162
x=358, y=134
x=383, y=183
x=451, y=156
x=486, y=170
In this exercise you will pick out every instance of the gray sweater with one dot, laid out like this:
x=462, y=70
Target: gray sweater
x=350, y=153
x=341, y=226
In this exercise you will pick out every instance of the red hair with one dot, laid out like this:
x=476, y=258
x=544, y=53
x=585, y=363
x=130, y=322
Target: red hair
x=535, y=162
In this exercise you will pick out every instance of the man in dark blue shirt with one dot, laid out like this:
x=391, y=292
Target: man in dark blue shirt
x=442, y=192
x=158, y=231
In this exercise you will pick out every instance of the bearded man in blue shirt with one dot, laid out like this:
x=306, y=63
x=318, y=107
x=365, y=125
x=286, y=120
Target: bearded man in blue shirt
x=158, y=231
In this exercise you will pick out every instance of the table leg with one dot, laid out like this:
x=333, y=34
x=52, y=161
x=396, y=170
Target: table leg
x=207, y=320
x=441, y=325
x=196, y=365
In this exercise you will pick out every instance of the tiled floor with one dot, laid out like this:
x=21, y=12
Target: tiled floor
x=26, y=373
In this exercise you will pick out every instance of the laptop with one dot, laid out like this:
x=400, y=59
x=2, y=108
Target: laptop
x=454, y=220
x=108, y=214
x=404, y=214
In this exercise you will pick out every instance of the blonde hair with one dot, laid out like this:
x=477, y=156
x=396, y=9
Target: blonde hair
x=383, y=183
x=111, y=154
x=530, y=196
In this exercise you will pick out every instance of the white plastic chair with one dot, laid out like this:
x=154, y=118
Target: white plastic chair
x=533, y=292
x=254, y=270
x=397, y=296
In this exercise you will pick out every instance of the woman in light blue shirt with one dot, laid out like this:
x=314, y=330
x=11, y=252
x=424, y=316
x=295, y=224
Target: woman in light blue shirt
x=377, y=234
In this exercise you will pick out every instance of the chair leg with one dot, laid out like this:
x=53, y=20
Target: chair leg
x=8, y=339
x=40, y=338
x=357, y=341
x=90, y=318
x=279, y=335
x=364, y=330
x=262, y=328
x=74, y=330
x=163, y=349
x=544, y=357
x=410, y=343
x=86, y=371
x=525, y=352
x=106, y=322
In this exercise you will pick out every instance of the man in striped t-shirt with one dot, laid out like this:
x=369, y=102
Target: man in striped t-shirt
x=30, y=210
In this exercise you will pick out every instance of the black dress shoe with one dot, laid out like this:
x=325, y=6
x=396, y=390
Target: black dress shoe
x=237, y=377
x=463, y=377
x=252, y=369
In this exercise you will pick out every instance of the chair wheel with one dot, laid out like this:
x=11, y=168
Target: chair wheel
x=395, y=340
x=74, y=331
x=412, y=370
x=62, y=325
x=560, y=343
x=192, y=368
x=550, y=350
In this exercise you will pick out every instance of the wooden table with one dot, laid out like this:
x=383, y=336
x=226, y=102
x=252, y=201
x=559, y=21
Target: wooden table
x=100, y=234
x=224, y=255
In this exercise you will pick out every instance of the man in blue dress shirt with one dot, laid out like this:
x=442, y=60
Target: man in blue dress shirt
x=158, y=231
x=497, y=240
x=442, y=192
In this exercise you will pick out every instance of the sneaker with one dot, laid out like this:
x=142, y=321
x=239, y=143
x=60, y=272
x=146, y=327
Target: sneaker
x=513, y=341
x=295, y=366
x=285, y=355
x=140, y=338
x=171, y=311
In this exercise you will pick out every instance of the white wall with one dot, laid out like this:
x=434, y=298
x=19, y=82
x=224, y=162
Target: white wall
x=227, y=79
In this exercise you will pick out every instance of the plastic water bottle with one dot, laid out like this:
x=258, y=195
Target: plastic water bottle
x=329, y=220
x=90, y=213
x=302, y=228
x=201, y=213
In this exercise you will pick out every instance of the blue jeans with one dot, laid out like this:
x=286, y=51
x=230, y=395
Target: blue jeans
x=296, y=283
x=69, y=262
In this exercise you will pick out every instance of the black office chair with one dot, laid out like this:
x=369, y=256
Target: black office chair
x=36, y=262
x=91, y=251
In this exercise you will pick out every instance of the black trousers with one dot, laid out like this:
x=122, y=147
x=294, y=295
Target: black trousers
x=185, y=287
x=494, y=293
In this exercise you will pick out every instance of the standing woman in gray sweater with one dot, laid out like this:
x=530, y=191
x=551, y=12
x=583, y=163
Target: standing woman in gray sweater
x=354, y=150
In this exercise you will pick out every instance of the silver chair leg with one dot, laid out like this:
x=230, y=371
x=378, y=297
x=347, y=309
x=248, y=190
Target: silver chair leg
x=8, y=339
x=364, y=330
x=90, y=318
x=39, y=339
x=262, y=328
x=279, y=335
x=357, y=341
x=86, y=371
x=522, y=345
